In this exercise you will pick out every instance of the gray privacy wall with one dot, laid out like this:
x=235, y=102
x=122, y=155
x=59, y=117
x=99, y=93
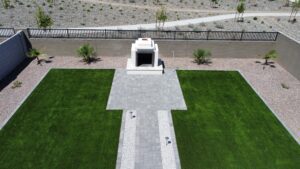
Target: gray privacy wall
x=12, y=52
x=167, y=48
x=289, y=55
x=288, y=49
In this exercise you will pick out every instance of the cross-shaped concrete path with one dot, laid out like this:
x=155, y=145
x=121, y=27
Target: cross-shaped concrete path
x=147, y=138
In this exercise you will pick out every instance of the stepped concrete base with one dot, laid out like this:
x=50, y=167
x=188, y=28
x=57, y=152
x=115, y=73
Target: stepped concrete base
x=143, y=70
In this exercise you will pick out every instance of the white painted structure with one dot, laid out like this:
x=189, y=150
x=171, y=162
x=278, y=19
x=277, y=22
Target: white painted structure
x=144, y=58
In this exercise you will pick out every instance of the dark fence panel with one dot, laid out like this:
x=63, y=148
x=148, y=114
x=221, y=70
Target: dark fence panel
x=167, y=35
x=7, y=32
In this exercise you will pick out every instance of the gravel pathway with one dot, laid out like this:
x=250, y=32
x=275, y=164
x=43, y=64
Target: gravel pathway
x=193, y=21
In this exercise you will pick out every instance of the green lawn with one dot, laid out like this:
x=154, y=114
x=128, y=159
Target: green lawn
x=227, y=126
x=63, y=124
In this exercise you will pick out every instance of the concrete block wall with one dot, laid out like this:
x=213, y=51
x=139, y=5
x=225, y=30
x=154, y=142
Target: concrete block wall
x=289, y=54
x=167, y=48
x=12, y=52
x=288, y=49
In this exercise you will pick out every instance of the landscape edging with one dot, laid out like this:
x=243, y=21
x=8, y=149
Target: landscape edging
x=265, y=102
x=23, y=100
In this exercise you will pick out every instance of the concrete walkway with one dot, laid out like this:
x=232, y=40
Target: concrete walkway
x=142, y=138
x=193, y=21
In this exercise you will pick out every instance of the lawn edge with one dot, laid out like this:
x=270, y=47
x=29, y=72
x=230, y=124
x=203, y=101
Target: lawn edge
x=23, y=100
x=265, y=102
x=258, y=94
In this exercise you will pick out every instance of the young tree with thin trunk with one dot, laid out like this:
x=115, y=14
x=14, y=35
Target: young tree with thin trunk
x=34, y=54
x=294, y=12
x=240, y=11
x=213, y=3
x=6, y=4
x=270, y=55
x=42, y=19
x=161, y=17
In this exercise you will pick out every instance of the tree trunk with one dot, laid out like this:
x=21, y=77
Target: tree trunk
x=296, y=11
x=38, y=60
x=291, y=14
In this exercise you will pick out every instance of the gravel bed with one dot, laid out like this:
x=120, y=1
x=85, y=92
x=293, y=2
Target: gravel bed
x=82, y=14
x=95, y=13
x=280, y=24
x=253, y=5
x=266, y=81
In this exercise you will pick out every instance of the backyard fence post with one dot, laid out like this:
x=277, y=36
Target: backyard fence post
x=140, y=33
x=28, y=33
x=207, y=37
x=174, y=35
x=242, y=35
x=68, y=33
x=276, y=36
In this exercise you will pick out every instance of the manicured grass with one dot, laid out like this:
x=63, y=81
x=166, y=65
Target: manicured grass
x=63, y=124
x=227, y=126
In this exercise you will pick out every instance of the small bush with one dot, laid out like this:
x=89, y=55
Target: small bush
x=255, y=18
x=201, y=56
x=16, y=84
x=272, y=54
x=87, y=52
x=43, y=20
x=219, y=26
x=6, y=4
x=285, y=86
x=34, y=54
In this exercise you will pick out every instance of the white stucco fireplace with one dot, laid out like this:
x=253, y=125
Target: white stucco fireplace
x=144, y=58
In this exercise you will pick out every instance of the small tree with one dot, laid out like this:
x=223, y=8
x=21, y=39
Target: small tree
x=42, y=19
x=295, y=9
x=34, y=54
x=213, y=3
x=87, y=52
x=287, y=3
x=240, y=11
x=270, y=55
x=201, y=56
x=6, y=4
x=161, y=17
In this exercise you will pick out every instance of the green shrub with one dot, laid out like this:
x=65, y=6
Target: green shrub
x=43, y=20
x=201, y=56
x=34, y=54
x=16, y=84
x=272, y=54
x=6, y=4
x=87, y=52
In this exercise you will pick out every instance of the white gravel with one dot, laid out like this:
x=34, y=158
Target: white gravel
x=93, y=13
x=267, y=81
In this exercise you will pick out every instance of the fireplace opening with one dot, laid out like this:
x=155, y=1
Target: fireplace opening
x=144, y=59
